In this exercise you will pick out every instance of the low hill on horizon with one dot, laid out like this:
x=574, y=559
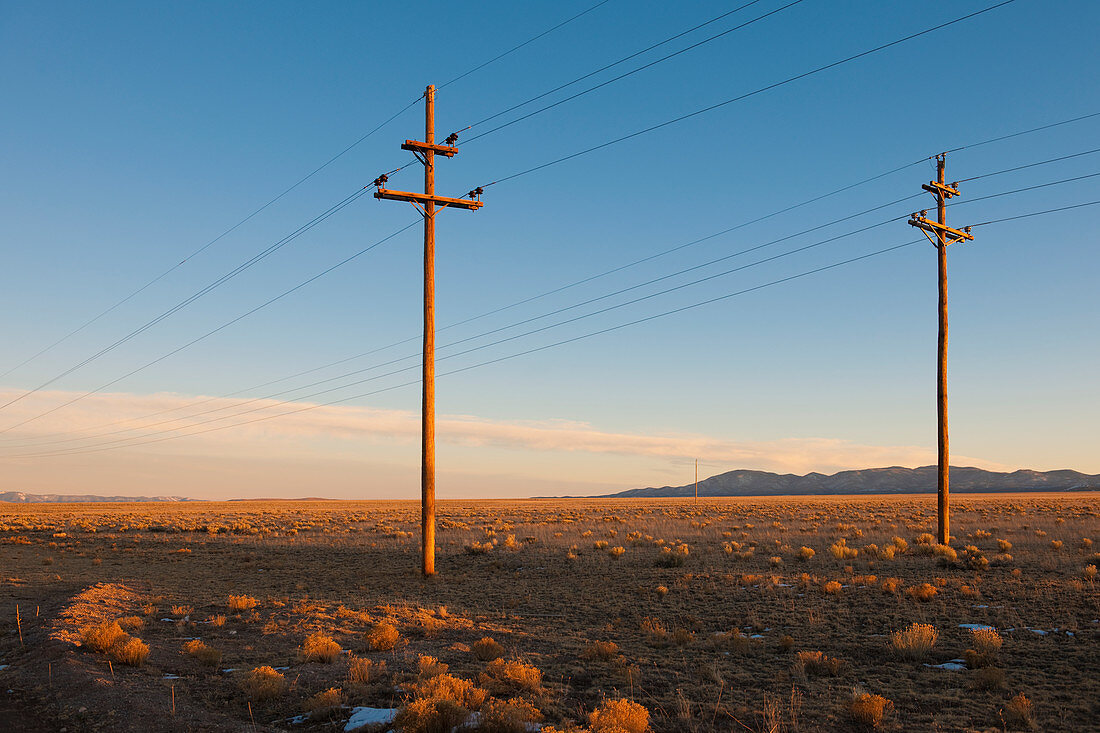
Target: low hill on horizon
x=19, y=497
x=892, y=480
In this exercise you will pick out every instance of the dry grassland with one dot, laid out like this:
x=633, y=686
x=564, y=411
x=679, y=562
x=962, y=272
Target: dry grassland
x=784, y=614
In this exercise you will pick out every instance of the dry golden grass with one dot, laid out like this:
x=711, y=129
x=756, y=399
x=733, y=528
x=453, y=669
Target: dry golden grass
x=601, y=650
x=869, y=709
x=238, y=604
x=817, y=664
x=324, y=703
x=1019, y=712
x=132, y=651
x=681, y=632
x=914, y=642
x=618, y=716
x=264, y=683
x=923, y=592
x=383, y=637
x=486, y=649
x=203, y=653
x=102, y=636
x=987, y=646
x=319, y=647
x=513, y=673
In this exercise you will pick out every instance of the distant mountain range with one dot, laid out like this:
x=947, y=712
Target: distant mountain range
x=893, y=480
x=18, y=497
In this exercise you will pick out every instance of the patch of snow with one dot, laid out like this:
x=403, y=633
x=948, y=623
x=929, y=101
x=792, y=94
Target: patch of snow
x=1040, y=632
x=281, y=669
x=4, y=666
x=981, y=606
x=171, y=677
x=756, y=636
x=231, y=670
x=370, y=716
x=977, y=627
x=297, y=719
x=1068, y=633
x=954, y=665
x=169, y=620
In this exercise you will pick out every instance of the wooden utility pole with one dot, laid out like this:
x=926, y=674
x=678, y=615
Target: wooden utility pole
x=696, y=480
x=944, y=235
x=426, y=203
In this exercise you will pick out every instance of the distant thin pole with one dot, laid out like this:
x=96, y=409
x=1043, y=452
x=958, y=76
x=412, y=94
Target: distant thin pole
x=696, y=480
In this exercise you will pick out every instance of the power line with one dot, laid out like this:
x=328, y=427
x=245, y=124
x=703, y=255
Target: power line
x=504, y=328
x=195, y=296
x=213, y=331
x=634, y=287
x=1031, y=165
x=631, y=72
x=532, y=350
x=521, y=45
x=754, y=92
x=536, y=349
x=1022, y=132
x=278, y=197
x=613, y=64
x=206, y=246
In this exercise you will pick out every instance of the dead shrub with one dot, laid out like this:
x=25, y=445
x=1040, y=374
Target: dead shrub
x=132, y=623
x=806, y=553
x=514, y=715
x=869, y=709
x=440, y=704
x=264, y=683
x=204, y=654
x=383, y=637
x=914, y=642
x=513, y=673
x=324, y=704
x=831, y=588
x=1019, y=712
x=430, y=666
x=237, y=604
x=922, y=592
x=486, y=649
x=812, y=663
x=890, y=585
x=601, y=650
x=987, y=645
x=102, y=636
x=619, y=716
x=360, y=671
x=319, y=647
x=988, y=679
x=133, y=652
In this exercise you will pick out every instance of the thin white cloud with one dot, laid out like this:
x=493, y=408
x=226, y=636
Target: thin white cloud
x=331, y=428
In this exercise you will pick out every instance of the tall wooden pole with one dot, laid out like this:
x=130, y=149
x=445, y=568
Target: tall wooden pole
x=944, y=236
x=944, y=469
x=696, y=480
x=427, y=204
x=427, y=414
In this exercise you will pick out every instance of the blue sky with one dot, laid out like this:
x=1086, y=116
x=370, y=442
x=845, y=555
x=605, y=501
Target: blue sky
x=135, y=134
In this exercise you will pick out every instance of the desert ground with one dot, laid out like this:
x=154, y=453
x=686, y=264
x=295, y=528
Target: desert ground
x=608, y=616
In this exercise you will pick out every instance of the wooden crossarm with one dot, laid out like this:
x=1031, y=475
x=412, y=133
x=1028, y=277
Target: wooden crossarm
x=420, y=198
x=419, y=147
x=950, y=234
x=934, y=187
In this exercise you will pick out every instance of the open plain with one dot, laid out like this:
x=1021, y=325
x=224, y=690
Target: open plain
x=778, y=614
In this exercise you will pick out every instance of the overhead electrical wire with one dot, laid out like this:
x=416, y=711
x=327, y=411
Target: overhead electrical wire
x=604, y=310
x=752, y=93
x=679, y=247
x=282, y=194
x=195, y=296
x=626, y=74
x=517, y=47
x=611, y=65
x=213, y=331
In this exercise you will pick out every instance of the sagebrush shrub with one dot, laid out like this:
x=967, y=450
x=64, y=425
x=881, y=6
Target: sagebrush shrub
x=916, y=641
x=619, y=716
x=264, y=683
